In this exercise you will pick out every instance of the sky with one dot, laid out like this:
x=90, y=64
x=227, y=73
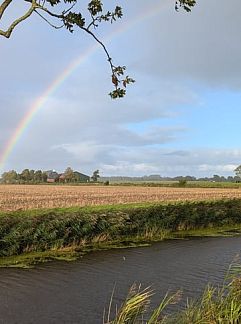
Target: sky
x=181, y=117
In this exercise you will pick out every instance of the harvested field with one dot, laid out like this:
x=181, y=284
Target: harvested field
x=23, y=197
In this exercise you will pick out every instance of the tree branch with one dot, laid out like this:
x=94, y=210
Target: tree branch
x=70, y=20
x=4, y=6
x=87, y=30
x=48, y=22
x=9, y=31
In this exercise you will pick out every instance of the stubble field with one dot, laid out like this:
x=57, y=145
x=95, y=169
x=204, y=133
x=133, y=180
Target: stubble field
x=23, y=197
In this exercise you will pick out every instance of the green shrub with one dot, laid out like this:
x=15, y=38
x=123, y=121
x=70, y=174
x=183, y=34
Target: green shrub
x=182, y=183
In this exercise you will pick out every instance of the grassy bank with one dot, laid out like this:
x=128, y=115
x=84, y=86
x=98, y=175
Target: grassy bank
x=64, y=233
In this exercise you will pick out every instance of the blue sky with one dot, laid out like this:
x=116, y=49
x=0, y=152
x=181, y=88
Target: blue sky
x=181, y=117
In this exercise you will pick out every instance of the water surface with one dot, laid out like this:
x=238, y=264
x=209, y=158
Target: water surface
x=77, y=292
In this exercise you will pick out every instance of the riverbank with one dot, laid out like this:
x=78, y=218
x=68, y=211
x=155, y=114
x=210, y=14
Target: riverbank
x=29, y=237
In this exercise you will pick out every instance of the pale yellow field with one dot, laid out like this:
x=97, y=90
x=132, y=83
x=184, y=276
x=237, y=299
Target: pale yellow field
x=17, y=197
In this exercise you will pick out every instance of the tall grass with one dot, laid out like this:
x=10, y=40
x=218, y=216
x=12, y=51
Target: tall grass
x=43, y=230
x=217, y=305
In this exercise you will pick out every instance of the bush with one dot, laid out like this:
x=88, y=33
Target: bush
x=182, y=183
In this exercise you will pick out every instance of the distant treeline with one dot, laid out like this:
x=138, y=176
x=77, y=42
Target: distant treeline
x=156, y=177
x=69, y=175
x=25, y=176
x=39, y=176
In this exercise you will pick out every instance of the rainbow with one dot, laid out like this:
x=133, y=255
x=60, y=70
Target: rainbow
x=60, y=79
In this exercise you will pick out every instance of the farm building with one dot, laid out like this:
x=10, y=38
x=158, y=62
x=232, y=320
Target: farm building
x=81, y=177
x=52, y=176
x=76, y=177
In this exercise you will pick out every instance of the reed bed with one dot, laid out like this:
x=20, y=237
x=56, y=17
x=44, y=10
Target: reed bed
x=97, y=227
x=24, y=197
x=217, y=305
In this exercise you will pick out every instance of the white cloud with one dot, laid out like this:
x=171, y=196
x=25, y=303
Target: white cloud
x=85, y=153
x=217, y=168
x=202, y=46
x=144, y=133
x=172, y=163
x=128, y=168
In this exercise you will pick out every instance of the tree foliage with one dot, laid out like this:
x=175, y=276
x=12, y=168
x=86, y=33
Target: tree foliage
x=10, y=177
x=34, y=177
x=238, y=171
x=95, y=176
x=26, y=176
x=185, y=4
x=69, y=174
x=66, y=14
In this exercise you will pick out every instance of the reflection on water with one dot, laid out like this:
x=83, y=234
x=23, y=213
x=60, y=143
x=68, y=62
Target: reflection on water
x=78, y=292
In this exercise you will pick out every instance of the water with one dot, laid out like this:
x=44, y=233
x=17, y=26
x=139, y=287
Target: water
x=78, y=292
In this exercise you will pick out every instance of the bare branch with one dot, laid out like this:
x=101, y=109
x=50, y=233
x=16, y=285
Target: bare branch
x=101, y=44
x=48, y=22
x=4, y=6
x=59, y=16
x=93, y=22
x=9, y=31
x=70, y=8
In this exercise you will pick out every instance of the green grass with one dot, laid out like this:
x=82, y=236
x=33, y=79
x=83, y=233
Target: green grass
x=210, y=232
x=80, y=229
x=29, y=260
x=176, y=184
x=151, y=183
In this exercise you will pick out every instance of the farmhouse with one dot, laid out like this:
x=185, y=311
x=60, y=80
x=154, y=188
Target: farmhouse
x=53, y=176
x=76, y=177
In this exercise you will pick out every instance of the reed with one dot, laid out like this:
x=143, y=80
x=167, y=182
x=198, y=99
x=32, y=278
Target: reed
x=217, y=305
x=79, y=229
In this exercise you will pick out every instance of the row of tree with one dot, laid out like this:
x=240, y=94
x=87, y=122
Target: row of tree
x=26, y=176
x=156, y=177
x=69, y=176
x=39, y=176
